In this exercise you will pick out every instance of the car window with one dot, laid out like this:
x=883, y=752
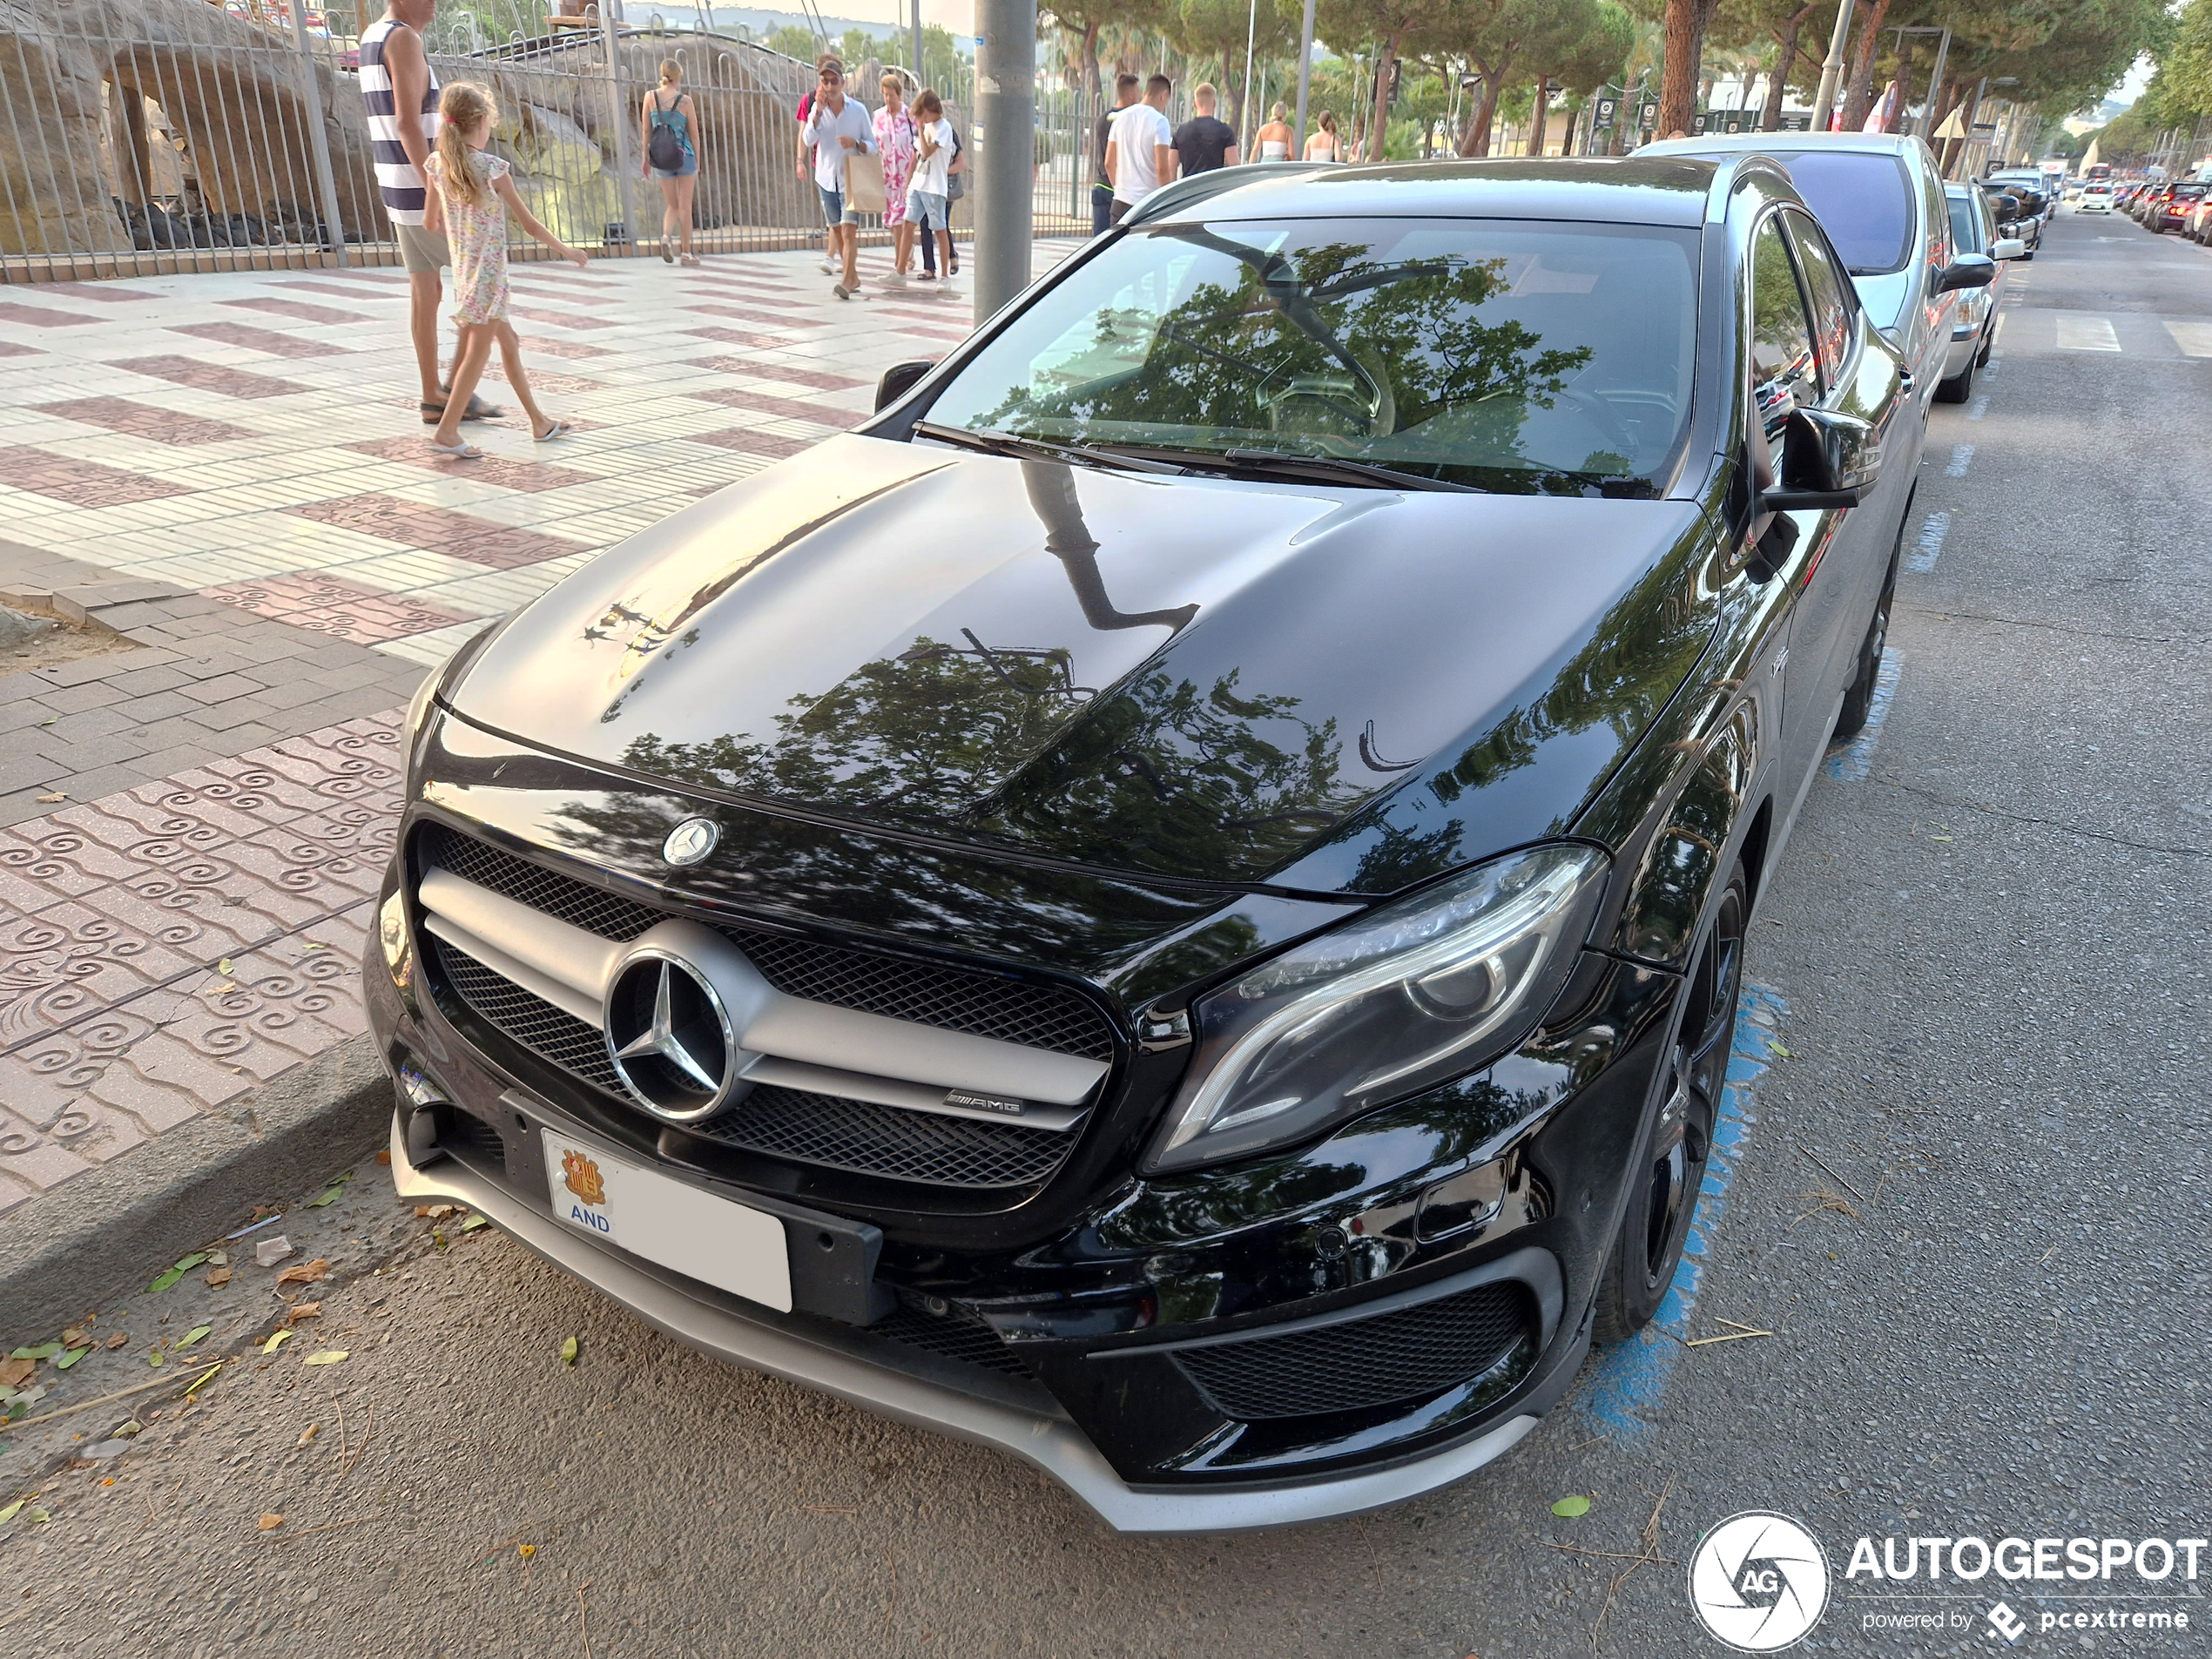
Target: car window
x=1830, y=294
x=1935, y=212
x=1516, y=356
x=1862, y=200
x=1966, y=226
x=1782, y=360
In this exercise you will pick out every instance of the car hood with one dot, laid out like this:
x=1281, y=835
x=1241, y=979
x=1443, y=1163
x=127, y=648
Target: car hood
x=1340, y=691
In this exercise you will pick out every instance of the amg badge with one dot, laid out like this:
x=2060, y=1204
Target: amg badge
x=999, y=1103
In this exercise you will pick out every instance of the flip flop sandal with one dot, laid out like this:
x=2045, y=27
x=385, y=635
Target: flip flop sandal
x=463, y=451
x=667, y=257
x=558, y=429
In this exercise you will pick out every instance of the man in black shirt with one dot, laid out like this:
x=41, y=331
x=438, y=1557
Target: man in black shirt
x=1203, y=144
x=1102, y=187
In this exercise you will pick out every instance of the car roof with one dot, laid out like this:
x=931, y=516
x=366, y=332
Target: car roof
x=1625, y=190
x=1735, y=144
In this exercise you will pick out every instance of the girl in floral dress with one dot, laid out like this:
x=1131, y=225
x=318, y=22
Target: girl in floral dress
x=894, y=140
x=478, y=198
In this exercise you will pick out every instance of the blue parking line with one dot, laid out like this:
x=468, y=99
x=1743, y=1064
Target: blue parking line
x=1932, y=535
x=1849, y=762
x=1960, y=455
x=1621, y=1392
x=1979, y=408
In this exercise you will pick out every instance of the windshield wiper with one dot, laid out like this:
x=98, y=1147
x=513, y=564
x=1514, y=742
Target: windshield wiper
x=1342, y=469
x=990, y=441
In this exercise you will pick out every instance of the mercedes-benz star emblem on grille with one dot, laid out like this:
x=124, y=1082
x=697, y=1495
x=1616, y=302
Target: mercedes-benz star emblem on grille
x=669, y=1037
x=690, y=840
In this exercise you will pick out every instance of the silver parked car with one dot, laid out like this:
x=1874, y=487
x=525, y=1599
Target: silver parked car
x=1972, y=231
x=1881, y=200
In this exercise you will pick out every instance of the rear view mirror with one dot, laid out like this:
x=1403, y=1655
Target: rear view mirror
x=898, y=380
x=1967, y=270
x=2007, y=247
x=1829, y=460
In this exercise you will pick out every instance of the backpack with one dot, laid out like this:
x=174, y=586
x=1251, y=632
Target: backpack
x=665, y=150
x=955, y=185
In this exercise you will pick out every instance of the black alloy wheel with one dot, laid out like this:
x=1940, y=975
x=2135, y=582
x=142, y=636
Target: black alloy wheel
x=1677, y=1142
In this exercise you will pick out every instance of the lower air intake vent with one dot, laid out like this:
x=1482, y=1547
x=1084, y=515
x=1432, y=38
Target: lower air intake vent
x=957, y=1335
x=1358, y=1363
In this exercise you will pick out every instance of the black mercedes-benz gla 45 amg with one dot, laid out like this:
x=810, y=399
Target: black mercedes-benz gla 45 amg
x=1174, y=903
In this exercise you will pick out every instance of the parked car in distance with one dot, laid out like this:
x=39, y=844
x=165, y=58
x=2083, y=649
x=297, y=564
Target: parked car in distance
x=2195, y=226
x=2017, y=212
x=1972, y=231
x=1880, y=198
x=2095, y=199
x=2169, y=209
x=1175, y=902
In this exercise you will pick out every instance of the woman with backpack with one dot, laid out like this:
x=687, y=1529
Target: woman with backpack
x=672, y=156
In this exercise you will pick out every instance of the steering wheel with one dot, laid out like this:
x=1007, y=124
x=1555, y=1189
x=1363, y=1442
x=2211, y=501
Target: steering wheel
x=1601, y=415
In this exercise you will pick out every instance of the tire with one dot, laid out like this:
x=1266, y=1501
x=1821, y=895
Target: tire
x=1960, y=386
x=1676, y=1140
x=1858, y=701
x=1981, y=354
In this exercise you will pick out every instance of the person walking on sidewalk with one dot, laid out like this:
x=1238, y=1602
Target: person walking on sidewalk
x=836, y=128
x=896, y=141
x=1324, y=146
x=1203, y=144
x=1140, y=153
x=671, y=151
x=928, y=204
x=1102, y=185
x=1273, y=141
x=478, y=197
x=401, y=91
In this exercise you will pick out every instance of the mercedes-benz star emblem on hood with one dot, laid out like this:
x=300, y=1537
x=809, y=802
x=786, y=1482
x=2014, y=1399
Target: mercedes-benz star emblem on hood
x=690, y=840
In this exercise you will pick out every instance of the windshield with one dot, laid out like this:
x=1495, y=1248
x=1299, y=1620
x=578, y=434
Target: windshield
x=1862, y=199
x=1497, y=354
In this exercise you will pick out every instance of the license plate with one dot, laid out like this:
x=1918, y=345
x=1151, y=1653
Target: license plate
x=667, y=1220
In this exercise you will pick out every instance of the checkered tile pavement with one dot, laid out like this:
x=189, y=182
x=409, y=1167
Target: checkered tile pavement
x=228, y=474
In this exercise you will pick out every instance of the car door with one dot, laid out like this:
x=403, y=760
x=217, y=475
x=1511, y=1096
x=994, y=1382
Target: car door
x=1819, y=567
x=1935, y=307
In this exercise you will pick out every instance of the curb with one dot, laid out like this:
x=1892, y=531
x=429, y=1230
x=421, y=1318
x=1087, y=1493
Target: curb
x=101, y=1236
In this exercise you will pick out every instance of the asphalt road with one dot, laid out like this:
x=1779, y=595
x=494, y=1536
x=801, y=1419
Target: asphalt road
x=1985, y=971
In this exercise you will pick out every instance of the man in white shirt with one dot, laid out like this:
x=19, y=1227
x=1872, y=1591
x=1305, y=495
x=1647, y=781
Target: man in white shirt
x=836, y=126
x=1139, y=156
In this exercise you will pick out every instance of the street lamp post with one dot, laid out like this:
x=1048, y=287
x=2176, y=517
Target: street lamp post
x=1832, y=68
x=1004, y=129
x=1305, y=77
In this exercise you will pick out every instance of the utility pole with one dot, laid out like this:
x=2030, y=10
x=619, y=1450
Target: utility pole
x=1305, y=75
x=1004, y=128
x=921, y=80
x=1832, y=68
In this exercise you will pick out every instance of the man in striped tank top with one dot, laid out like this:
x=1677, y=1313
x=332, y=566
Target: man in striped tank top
x=396, y=76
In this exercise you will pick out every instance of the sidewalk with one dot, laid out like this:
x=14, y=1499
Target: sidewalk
x=229, y=471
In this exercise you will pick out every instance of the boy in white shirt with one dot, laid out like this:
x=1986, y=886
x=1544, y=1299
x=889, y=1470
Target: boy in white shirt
x=928, y=192
x=1140, y=155
x=836, y=126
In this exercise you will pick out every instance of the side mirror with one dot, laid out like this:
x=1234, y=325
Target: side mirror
x=899, y=380
x=2007, y=247
x=1828, y=460
x=1967, y=270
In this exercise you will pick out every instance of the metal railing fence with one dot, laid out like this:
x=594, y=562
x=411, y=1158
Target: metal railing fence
x=168, y=135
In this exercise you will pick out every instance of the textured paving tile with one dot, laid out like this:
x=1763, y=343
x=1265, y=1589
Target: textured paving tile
x=274, y=306
x=81, y=483
x=456, y=535
x=745, y=441
x=266, y=339
x=526, y=476
x=143, y=421
x=331, y=605
x=40, y=317
x=209, y=377
x=783, y=408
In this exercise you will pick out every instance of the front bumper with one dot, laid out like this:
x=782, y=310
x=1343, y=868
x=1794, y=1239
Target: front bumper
x=838, y=1362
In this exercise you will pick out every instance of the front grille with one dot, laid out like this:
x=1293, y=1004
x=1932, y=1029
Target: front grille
x=886, y=1141
x=550, y=1033
x=957, y=1335
x=889, y=1141
x=1395, y=1356
x=932, y=993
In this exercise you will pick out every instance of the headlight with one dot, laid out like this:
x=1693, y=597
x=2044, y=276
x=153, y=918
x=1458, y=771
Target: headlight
x=1406, y=998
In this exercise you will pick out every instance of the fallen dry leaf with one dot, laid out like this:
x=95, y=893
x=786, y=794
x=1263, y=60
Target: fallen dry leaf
x=76, y=1337
x=299, y=1311
x=526, y=1550
x=58, y=795
x=219, y=1277
x=14, y=1373
x=328, y=1357
x=271, y=1521
x=432, y=1211
x=305, y=1273
x=384, y=1157
x=118, y=1339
